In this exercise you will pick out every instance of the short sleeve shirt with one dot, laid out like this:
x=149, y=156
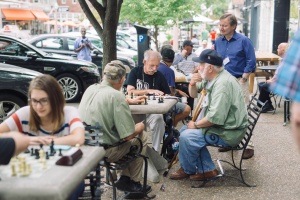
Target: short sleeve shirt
x=168, y=73
x=85, y=53
x=138, y=78
x=103, y=104
x=226, y=108
x=19, y=121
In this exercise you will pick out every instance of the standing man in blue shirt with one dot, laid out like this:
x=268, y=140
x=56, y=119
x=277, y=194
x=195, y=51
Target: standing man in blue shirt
x=83, y=47
x=239, y=59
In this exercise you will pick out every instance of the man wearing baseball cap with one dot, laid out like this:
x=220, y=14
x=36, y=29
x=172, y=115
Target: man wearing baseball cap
x=223, y=112
x=183, y=60
x=104, y=103
x=181, y=110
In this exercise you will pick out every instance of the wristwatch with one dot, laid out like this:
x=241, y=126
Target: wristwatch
x=244, y=79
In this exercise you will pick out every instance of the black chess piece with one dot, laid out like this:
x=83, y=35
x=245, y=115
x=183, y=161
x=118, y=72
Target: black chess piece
x=148, y=96
x=146, y=102
x=27, y=151
x=37, y=155
x=154, y=97
x=47, y=155
x=52, y=151
x=31, y=152
x=60, y=154
x=41, y=146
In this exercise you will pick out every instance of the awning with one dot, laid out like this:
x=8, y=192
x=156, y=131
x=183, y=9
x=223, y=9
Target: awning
x=40, y=15
x=17, y=14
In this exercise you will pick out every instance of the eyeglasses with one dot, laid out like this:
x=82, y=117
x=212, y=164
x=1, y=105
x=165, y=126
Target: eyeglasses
x=42, y=102
x=83, y=31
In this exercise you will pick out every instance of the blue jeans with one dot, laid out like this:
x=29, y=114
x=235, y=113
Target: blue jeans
x=191, y=141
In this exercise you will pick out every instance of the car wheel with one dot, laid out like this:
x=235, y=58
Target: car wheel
x=71, y=85
x=9, y=104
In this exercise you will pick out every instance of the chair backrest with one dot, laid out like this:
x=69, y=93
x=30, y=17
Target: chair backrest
x=254, y=112
x=93, y=135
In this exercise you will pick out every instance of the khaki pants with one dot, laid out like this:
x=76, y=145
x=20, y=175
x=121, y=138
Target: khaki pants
x=134, y=169
x=246, y=95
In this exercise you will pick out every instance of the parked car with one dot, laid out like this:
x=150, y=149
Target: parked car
x=74, y=75
x=64, y=44
x=14, y=83
x=99, y=43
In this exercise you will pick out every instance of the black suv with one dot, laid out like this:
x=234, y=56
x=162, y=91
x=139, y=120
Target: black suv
x=74, y=75
x=64, y=44
x=14, y=82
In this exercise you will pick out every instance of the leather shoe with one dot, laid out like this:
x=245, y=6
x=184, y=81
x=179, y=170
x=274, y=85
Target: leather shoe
x=179, y=174
x=203, y=176
x=139, y=187
x=248, y=153
x=223, y=149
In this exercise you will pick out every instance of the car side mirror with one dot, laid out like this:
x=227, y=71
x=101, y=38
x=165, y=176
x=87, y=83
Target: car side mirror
x=96, y=52
x=31, y=54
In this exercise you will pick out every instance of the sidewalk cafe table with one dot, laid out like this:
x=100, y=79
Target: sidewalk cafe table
x=262, y=58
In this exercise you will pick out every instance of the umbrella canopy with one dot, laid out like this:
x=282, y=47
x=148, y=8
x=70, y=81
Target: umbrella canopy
x=69, y=23
x=198, y=18
x=52, y=22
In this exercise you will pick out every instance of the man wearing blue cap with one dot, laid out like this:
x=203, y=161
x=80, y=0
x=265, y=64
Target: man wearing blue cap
x=223, y=112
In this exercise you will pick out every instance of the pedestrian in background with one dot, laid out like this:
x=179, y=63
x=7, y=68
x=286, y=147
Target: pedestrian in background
x=239, y=60
x=83, y=47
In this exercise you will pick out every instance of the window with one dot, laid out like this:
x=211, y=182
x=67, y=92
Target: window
x=12, y=48
x=50, y=43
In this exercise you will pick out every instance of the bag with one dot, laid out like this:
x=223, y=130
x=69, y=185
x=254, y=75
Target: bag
x=172, y=144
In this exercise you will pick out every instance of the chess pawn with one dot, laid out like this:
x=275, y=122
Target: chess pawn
x=13, y=170
x=41, y=154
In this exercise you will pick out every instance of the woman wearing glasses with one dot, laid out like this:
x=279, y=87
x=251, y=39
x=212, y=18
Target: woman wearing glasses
x=47, y=118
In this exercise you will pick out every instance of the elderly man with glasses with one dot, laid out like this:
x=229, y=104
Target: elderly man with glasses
x=83, y=47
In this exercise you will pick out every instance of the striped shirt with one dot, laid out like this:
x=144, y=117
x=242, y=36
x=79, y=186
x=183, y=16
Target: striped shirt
x=287, y=83
x=19, y=121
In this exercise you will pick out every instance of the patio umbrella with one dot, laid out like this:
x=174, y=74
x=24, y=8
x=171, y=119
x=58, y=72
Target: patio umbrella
x=198, y=18
x=69, y=23
x=52, y=22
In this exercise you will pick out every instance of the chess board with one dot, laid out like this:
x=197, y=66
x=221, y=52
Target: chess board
x=37, y=166
x=151, y=100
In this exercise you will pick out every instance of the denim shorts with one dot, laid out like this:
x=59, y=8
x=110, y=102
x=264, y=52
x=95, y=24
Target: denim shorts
x=178, y=108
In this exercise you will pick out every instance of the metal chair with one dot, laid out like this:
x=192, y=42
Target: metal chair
x=93, y=135
x=253, y=116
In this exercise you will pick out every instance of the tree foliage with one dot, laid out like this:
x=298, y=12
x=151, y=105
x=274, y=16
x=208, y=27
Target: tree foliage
x=156, y=13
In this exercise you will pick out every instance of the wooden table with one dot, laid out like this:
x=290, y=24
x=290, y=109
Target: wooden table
x=262, y=58
x=57, y=182
x=269, y=69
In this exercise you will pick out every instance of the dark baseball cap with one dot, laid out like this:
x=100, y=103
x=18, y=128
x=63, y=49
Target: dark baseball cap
x=209, y=56
x=187, y=43
x=167, y=55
